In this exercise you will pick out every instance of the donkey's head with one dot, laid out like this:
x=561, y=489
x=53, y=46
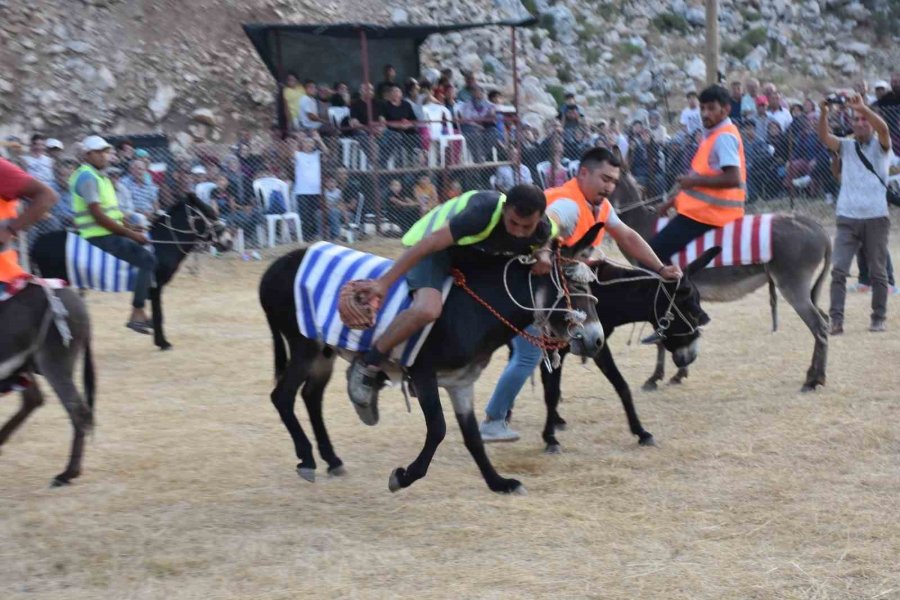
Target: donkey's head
x=678, y=314
x=567, y=308
x=193, y=216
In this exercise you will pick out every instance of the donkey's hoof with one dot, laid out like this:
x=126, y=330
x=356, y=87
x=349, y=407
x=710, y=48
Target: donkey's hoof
x=394, y=480
x=165, y=346
x=553, y=449
x=338, y=471
x=519, y=490
x=650, y=385
x=60, y=481
x=676, y=380
x=809, y=387
x=647, y=439
x=307, y=474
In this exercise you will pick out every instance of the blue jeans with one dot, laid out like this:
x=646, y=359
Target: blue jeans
x=135, y=255
x=677, y=234
x=525, y=357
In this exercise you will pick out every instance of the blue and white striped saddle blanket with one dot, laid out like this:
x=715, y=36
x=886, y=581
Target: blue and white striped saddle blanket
x=325, y=269
x=89, y=267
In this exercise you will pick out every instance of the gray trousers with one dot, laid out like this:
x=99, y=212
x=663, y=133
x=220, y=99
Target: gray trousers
x=872, y=236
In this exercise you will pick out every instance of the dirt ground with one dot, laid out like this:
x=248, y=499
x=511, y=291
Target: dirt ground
x=189, y=489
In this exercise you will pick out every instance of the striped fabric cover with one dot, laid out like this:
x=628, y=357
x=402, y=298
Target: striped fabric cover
x=325, y=268
x=746, y=241
x=89, y=267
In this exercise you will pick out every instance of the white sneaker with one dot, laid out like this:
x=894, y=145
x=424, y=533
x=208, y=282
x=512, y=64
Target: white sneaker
x=497, y=431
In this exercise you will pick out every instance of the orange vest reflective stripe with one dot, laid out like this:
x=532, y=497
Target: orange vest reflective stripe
x=570, y=190
x=714, y=206
x=9, y=259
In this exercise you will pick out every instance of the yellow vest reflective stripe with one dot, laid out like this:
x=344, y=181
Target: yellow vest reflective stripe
x=439, y=216
x=84, y=221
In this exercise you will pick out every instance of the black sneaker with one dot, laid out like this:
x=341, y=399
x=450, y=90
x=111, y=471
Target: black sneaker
x=363, y=384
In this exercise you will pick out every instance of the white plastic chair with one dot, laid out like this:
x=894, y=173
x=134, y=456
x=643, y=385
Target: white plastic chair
x=543, y=170
x=352, y=155
x=262, y=189
x=338, y=114
x=572, y=167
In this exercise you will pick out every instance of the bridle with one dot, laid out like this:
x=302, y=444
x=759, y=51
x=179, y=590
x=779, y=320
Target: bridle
x=195, y=216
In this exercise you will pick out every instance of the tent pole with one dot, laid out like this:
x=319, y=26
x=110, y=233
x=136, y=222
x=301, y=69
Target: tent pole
x=284, y=111
x=370, y=130
x=518, y=121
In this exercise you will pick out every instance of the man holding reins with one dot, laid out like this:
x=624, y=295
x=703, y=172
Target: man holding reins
x=713, y=193
x=575, y=207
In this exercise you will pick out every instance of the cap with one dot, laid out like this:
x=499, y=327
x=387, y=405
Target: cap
x=198, y=170
x=882, y=84
x=54, y=143
x=94, y=142
x=762, y=101
x=141, y=153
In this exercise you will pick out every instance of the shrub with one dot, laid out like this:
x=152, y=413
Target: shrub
x=668, y=22
x=558, y=92
x=630, y=49
x=739, y=49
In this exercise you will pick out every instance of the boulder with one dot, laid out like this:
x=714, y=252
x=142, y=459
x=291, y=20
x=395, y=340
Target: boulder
x=695, y=68
x=161, y=102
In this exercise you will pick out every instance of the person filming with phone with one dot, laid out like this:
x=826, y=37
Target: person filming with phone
x=862, y=205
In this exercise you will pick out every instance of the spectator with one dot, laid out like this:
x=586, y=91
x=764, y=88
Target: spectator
x=811, y=110
x=291, y=93
x=144, y=195
x=309, y=108
x=777, y=112
x=690, y=116
x=411, y=95
x=762, y=118
x=862, y=210
x=575, y=134
x=506, y=178
x=308, y=184
x=881, y=89
x=637, y=155
x=657, y=129
x=323, y=103
x=359, y=108
x=568, y=100
x=54, y=150
x=425, y=92
x=337, y=213
x=478, y=119
x=425, y=193
x=557, y=174
x=621, y=140
x=496, y=100
x=124, y=154
x=244, y=214
x=737, y=99
x=390, y=75
x=37, y=163
x=399, y=138
x=453, y=190
x=401, y=209
x=756, y=153
x=341, y=94
x=801, y=150
x=467, y=93
x=748, y=100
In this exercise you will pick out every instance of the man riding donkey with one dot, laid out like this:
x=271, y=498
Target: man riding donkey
x=575, y=207
x=14, y=184
x=477, y=221
x=713, y=193
x=99, y=220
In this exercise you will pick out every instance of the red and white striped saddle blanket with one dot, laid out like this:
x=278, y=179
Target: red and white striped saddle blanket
x=746, y=241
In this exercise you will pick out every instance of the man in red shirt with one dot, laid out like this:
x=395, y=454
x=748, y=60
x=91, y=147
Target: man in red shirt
x=16, y=183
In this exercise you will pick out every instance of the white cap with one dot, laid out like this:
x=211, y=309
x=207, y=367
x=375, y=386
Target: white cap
x=198, y=170
x=94, y=142
x=54, y=143
x=881, y=84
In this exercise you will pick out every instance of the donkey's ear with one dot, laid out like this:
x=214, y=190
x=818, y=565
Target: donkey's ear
x=701, y=261
x=191, y=198
x=586, y=241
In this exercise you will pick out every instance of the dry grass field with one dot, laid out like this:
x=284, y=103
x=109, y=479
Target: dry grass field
x=189, y=489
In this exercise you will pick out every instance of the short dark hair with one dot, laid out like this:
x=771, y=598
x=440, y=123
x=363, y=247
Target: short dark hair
x=526, y=199
x=388, y=68
x=37, y=137
x=123, y=143
x=717, y=94
x=493, y=94
x=691, y=93
x=597, y=156
x=569, y=95
x=308, y=81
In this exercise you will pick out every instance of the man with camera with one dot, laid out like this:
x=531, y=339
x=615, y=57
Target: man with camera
x=862, y=208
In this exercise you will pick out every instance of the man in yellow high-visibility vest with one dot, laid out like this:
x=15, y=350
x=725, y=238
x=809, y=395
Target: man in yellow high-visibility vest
x=99, y=221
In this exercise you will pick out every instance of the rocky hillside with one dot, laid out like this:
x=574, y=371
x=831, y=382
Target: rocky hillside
x=69, y=66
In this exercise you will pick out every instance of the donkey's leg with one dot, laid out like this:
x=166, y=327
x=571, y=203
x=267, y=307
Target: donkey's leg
x=31, y=399
x=463, y=397
x=284, y=396
x=608, y=367
x=659, y=372
x=680, y=375
x=313, y=389
x=159, y=338
x=56, y=363
x=425, y=381
x=551, y=382
x=797, y=293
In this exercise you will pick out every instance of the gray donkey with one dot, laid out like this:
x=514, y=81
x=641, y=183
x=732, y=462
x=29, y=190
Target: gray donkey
x=44, y=331
x=799, y=246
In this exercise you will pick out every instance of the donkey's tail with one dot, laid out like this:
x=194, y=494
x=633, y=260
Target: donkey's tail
x=278, y=346
x=817, y=286
x=773, y=303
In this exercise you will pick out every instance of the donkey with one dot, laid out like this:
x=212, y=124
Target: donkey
x=799, y=246
x=632, y=296
x=34, y=339
x=457, y=349
x=187, y=225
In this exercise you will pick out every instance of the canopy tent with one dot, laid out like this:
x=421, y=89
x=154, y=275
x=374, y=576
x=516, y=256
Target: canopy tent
x=342, y=52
